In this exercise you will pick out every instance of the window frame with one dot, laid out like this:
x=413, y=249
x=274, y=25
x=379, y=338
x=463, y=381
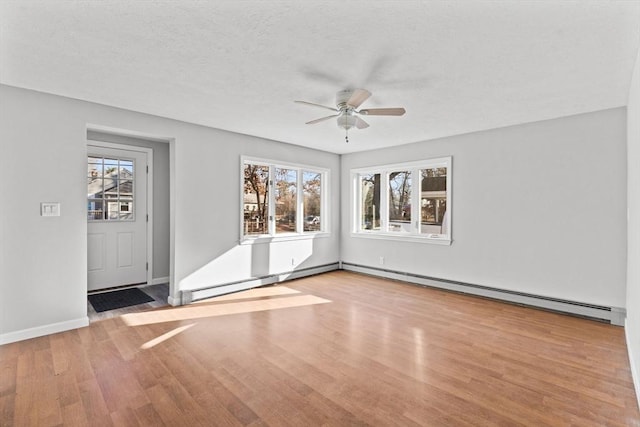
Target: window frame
x=414, y=235
x=119, y=199
x=272, y=234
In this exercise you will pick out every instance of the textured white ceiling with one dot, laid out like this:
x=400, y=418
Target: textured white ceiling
x=456, y=66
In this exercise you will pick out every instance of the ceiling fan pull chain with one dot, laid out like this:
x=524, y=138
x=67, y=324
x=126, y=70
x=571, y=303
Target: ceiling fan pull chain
x=346, y=137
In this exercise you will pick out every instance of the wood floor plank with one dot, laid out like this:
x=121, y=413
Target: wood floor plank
x=147, y=416
x=7, y=409
x=380, y=352
x=93, y=403
x=74, y=415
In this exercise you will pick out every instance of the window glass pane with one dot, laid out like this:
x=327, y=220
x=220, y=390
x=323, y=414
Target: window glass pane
x=94, y=187
x=94, y=177
x=312, y=193
x=94, y=210
x=111, y=188
x=433, y=201
x=256, y=192
x=94, y=167
x=111, y=167
x=400, y=201
x=125, y=188
x=126, y=211
x=126, y=169
x=112, y=210
x=370, y=191
x=286, y=199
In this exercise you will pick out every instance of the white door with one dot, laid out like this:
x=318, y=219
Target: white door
x=117, y=217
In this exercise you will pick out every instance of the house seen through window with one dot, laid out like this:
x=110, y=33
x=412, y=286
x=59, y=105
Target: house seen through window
x=407, y=200
x=110, y=189
x=281, y=200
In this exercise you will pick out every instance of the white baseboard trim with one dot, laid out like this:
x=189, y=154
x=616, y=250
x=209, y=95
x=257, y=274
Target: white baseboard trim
x=174, y=302
x=160, y=280
x=39, y=331
x=190, y=295
x=615, y=315
x=634, y=371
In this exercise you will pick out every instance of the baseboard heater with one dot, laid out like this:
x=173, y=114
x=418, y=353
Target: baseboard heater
x=190, y=295
x=614, y=315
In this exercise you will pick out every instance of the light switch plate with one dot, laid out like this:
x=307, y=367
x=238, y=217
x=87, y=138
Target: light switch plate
x=49, y=209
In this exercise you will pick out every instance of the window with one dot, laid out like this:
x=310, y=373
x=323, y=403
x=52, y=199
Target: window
x=280, y=200
x=110, y=189
x=410, y=200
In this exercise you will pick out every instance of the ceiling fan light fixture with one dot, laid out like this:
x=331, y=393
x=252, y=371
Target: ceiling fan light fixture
x=346, y=120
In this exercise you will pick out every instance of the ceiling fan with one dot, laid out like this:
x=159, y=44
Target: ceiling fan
x=347, y=113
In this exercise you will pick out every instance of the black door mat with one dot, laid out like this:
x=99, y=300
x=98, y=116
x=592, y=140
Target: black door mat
x=118, y=299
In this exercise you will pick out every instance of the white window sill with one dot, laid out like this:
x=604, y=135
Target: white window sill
x=404, y=237
x=283, y=238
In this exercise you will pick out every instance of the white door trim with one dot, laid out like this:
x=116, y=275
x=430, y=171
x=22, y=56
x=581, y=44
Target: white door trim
x=149, y=201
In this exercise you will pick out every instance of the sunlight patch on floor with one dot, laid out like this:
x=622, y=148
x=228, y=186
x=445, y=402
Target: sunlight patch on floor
x=165, y=337
x=196, y=311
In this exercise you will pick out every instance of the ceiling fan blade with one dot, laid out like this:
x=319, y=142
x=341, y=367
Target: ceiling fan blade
x=383, y=111
x=361, y=124
x=322, y=119
x=316, y=105
x=358, y=97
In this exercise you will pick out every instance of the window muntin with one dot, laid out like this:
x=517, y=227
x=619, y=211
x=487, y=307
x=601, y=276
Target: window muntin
x=415, y=204
x=110, y=189
x=282, y=200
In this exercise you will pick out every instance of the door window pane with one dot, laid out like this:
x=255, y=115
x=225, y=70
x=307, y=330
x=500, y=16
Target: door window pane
x=400, y=201
x=94, y=210
x=112, y=210
x=256, y=191
x=286, y=199
x=370, y=191
x=126, y=210
x=312, y=193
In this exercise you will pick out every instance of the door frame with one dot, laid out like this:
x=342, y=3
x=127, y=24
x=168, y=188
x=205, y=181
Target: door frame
x=149, y=201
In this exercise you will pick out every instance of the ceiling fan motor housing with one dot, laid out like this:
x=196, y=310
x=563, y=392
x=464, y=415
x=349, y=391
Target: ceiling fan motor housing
x=342, y=97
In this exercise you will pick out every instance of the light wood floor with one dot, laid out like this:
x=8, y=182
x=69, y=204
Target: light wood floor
x=335, y=349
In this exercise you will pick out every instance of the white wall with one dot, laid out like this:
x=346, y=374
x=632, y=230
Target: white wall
x=208, y=200
x=632, y=328
x=537, y=208
x=43, y=281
